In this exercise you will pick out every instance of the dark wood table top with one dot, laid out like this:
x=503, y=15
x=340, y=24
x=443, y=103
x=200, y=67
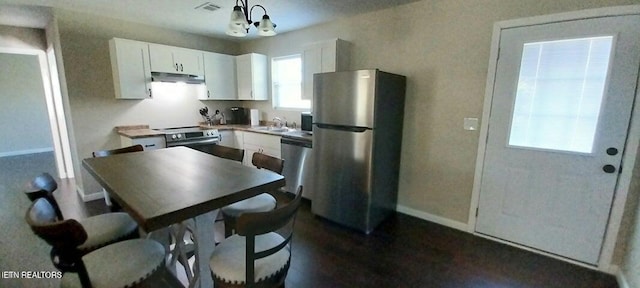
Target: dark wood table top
x=167, y=186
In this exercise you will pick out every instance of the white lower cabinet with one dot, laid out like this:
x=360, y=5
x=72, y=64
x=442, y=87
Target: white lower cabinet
x=148, y=143
x=227, y=138
x=260, y=143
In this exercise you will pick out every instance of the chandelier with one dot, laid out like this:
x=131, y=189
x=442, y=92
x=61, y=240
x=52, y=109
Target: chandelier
x=241, y=21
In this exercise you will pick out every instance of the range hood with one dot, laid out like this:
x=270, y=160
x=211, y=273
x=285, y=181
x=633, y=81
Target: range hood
x=175, y=77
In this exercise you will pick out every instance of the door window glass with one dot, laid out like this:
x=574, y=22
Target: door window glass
x=559, y=94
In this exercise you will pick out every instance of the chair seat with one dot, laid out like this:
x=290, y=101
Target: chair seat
x=120, y=265
x=260, y=203
x=106, y=229
x=228, y=259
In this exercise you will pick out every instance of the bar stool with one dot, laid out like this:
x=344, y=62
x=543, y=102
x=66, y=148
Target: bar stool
x=101, y=229
x=259, y=203
x=122, y=264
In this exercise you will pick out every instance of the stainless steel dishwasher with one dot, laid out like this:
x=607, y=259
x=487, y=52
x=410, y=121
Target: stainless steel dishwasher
x=298, y=165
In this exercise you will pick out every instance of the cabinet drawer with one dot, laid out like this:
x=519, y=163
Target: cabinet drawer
x=148, y=143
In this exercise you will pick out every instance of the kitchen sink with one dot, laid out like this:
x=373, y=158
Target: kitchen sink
x=271, y=129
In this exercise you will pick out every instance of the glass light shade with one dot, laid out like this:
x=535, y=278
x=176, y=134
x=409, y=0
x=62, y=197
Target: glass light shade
x=266, y=27
x=238, y=18
x=236, y=31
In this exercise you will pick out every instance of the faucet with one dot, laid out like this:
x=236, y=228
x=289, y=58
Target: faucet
x=277, y=122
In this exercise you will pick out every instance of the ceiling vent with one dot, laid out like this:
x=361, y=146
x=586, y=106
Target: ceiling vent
x=207, y=6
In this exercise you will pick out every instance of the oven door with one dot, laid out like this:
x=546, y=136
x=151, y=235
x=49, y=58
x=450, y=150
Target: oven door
x=200, y=145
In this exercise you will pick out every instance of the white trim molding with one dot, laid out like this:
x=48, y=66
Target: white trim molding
x=620, y=277
x=631, y=147
x=432, y=218
x=89, y=197
x=25, y=152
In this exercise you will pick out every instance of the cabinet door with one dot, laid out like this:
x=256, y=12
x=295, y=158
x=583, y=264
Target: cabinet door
x=188, y=61
x=227, y=138
x=252, y=76
x=131, y=69
x=243, y=72
x=219, y=77
x=311, y=64
x=259, y=76
x=325, y=56
x=162, y=59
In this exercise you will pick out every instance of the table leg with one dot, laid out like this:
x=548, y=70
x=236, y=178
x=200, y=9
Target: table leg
x=205, y=243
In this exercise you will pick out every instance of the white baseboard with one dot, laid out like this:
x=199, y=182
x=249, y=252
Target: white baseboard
x=89, y=197
x=25, y=152
x=622, y=280
x=432, y=218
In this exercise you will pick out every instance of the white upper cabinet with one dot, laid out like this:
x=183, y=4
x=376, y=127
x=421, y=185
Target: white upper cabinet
x=131, y=68
x=326, y=56
x=251, y=71
x=219, y=77
x=169, y=59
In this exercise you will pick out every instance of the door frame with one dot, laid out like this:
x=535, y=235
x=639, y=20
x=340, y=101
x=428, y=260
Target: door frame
x=55, y=111
x=631, y=146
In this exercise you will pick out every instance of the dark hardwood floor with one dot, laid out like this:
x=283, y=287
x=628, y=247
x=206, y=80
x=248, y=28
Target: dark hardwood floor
x=408, y=252
x=402, y=252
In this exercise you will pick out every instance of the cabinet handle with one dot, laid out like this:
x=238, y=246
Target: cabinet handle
x=181, y=68
x=149, y=92
x=177, y=67
x=150, y=145
x=208, y=94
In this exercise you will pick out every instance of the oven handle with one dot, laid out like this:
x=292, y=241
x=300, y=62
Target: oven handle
x=183, y=143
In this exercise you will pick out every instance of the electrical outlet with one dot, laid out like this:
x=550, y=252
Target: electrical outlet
x=470, y=124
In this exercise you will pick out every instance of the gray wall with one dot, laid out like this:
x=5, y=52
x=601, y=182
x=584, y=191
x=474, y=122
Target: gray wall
x=442, y=46
x=24, y=121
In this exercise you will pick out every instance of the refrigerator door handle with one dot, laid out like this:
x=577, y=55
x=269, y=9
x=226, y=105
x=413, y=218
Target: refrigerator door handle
x=356, y=129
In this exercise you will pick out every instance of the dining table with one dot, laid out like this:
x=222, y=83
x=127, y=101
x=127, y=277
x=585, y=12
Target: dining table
x=173, y=186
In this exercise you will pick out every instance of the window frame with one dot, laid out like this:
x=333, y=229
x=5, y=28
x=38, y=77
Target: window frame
x=276, y=102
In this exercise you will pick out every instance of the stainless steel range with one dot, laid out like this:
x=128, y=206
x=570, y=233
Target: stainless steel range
x=192, y=137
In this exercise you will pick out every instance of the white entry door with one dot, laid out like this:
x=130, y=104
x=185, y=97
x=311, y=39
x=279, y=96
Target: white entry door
x=560, y=110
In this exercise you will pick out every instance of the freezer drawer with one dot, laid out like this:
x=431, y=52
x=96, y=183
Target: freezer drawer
x=343, y=183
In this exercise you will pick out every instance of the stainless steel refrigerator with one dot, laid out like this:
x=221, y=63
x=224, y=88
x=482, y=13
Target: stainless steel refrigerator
x=357, y=136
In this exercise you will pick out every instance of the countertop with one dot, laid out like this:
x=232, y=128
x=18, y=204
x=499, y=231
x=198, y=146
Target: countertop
x=292, y=133
x=137, y=131
x=142, y=131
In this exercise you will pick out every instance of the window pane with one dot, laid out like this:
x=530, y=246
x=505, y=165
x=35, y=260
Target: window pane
x=559, y=94
x=286, y=75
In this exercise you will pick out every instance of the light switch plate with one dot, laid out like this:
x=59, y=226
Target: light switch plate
x=470, y=124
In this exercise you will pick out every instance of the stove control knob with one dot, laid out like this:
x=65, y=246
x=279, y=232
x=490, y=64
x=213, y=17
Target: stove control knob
x=174, y=136
x=179, y=136
x=209, y=133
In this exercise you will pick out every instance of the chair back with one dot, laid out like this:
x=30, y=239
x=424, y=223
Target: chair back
x=64, y=236
x=263, y=161
x=252, y=224
x=104, y=153
x=228, y=152
x=61, y=234
x=42, y=186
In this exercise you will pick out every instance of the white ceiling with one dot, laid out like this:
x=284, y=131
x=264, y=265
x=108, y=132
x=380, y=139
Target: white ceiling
x=181, y=15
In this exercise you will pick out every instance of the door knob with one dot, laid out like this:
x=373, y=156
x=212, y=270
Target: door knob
x=612, y=151
x=608, y=168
